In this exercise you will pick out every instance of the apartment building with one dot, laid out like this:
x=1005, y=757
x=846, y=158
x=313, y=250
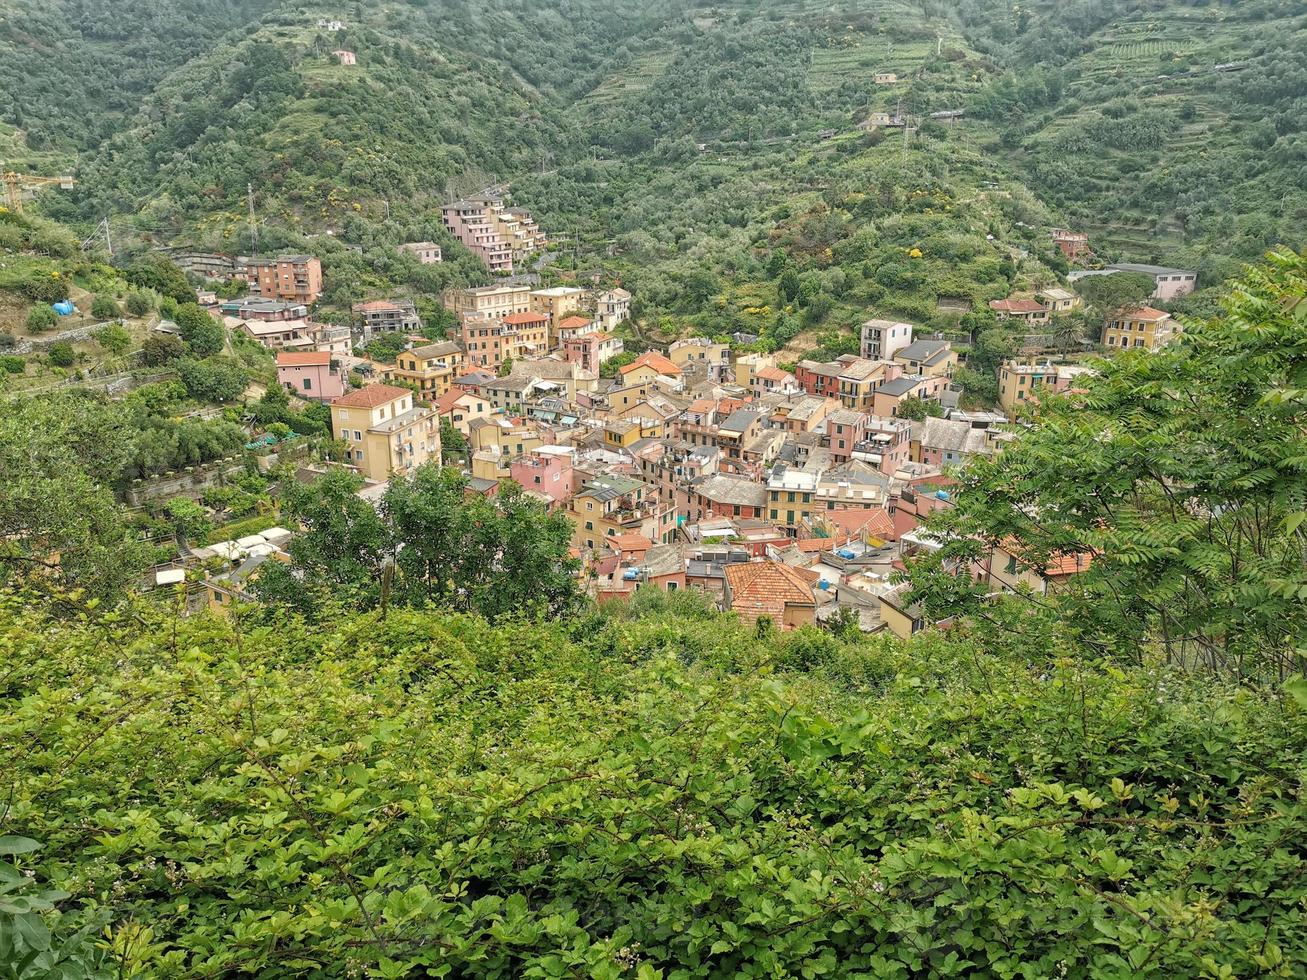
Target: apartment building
x=489, y=344
x=498, y=235
x=1019, y=382
x=386, y=316
x=385, y=430
x=590, y=350
x=487, y=302
x=1143, y=327
x=431, y=368
x=881, y=338
x=613, y=307
x=292, y=278
x=557, y=303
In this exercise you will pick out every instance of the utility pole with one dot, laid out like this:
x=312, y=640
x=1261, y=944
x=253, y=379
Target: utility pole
x=254, y=227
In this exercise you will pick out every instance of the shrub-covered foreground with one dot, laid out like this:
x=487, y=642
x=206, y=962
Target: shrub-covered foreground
x=648, y=793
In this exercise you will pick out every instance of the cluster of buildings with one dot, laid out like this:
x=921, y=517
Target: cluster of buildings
x=497, y=234
x=789, y=492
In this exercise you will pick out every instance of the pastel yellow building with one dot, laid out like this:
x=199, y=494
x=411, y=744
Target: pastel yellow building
x=385, y=430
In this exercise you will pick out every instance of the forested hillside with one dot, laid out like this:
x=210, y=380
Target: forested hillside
x=696, y=151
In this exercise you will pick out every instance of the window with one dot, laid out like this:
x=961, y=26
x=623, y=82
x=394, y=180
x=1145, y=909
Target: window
x=589, y=525
x=308, y=384
x=358, y=436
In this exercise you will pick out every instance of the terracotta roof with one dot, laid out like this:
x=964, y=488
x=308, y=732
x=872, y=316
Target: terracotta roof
x=654, y=360
x=371, y=396
x=306, y=358
x=375, y=306
x=767, y=586
x=516, y=319
x=773, y=374
x=449, y=399
x=573, y=321
x=1016, y=306
x=629, y=542
x=1143, y=313
x=874, y=520
x=810, y=545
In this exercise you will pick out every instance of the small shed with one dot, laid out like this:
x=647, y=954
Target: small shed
x=346, y=57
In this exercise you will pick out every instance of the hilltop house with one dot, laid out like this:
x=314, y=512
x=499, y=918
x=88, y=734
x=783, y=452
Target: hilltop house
x=428, y=253
x=345, y=57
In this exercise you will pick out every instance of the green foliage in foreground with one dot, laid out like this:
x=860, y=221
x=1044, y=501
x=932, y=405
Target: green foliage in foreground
x=654, y=796
x=1179, y=478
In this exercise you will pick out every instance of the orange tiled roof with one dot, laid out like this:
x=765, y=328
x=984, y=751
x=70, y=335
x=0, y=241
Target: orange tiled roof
x=1016, y=306
x=629, y=542
x=374, y=306
x=518, y=319
x=1144, y=313
x=654, y=360
x=767, y=585
x=306, y=358
x=773, y=374
x=371, y=396
x=851, y=520
x=573, y=321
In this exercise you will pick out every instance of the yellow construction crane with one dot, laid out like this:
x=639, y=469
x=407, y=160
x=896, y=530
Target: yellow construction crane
x=16, y=183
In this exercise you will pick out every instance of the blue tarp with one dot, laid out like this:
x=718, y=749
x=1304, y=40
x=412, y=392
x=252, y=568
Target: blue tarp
x=847, y=553
x=64, y=307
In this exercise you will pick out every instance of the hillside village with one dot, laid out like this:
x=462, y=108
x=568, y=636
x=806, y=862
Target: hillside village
x=792, y=491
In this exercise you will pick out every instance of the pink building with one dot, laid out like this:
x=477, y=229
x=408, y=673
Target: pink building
x=346, y=57
x=310, y=374
x=590, y=350
x=547, y=471
x=888, y=444
x=844, y=430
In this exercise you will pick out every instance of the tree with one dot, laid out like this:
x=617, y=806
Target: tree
x=202, y=334
x=1175, y=485
x=342, y=551
x=114, y=338
x=213, y=380
x=453, y=443
x=613, y=366
x=41, y=318
x=61, y=354
x=789, y=285
x=164, y=277
x=104, y=308
x=917, y=409
x=189, y=519
x=496, y=556
x=162, y=348
x=506, y=367
x=59, y=521
x=1107, y=294
x=139, y=303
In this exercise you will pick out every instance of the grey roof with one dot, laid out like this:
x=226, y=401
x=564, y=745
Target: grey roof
x=922, y=350
x=1150, y=270
x=901, y=386
x=739, y=420
x=735, y=490
x=438, y=349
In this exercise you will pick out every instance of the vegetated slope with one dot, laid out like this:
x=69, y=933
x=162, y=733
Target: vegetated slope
x=318, y=140
x=656, y=790
x=751, y=140
x=1169, y=131
x=73, y=71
